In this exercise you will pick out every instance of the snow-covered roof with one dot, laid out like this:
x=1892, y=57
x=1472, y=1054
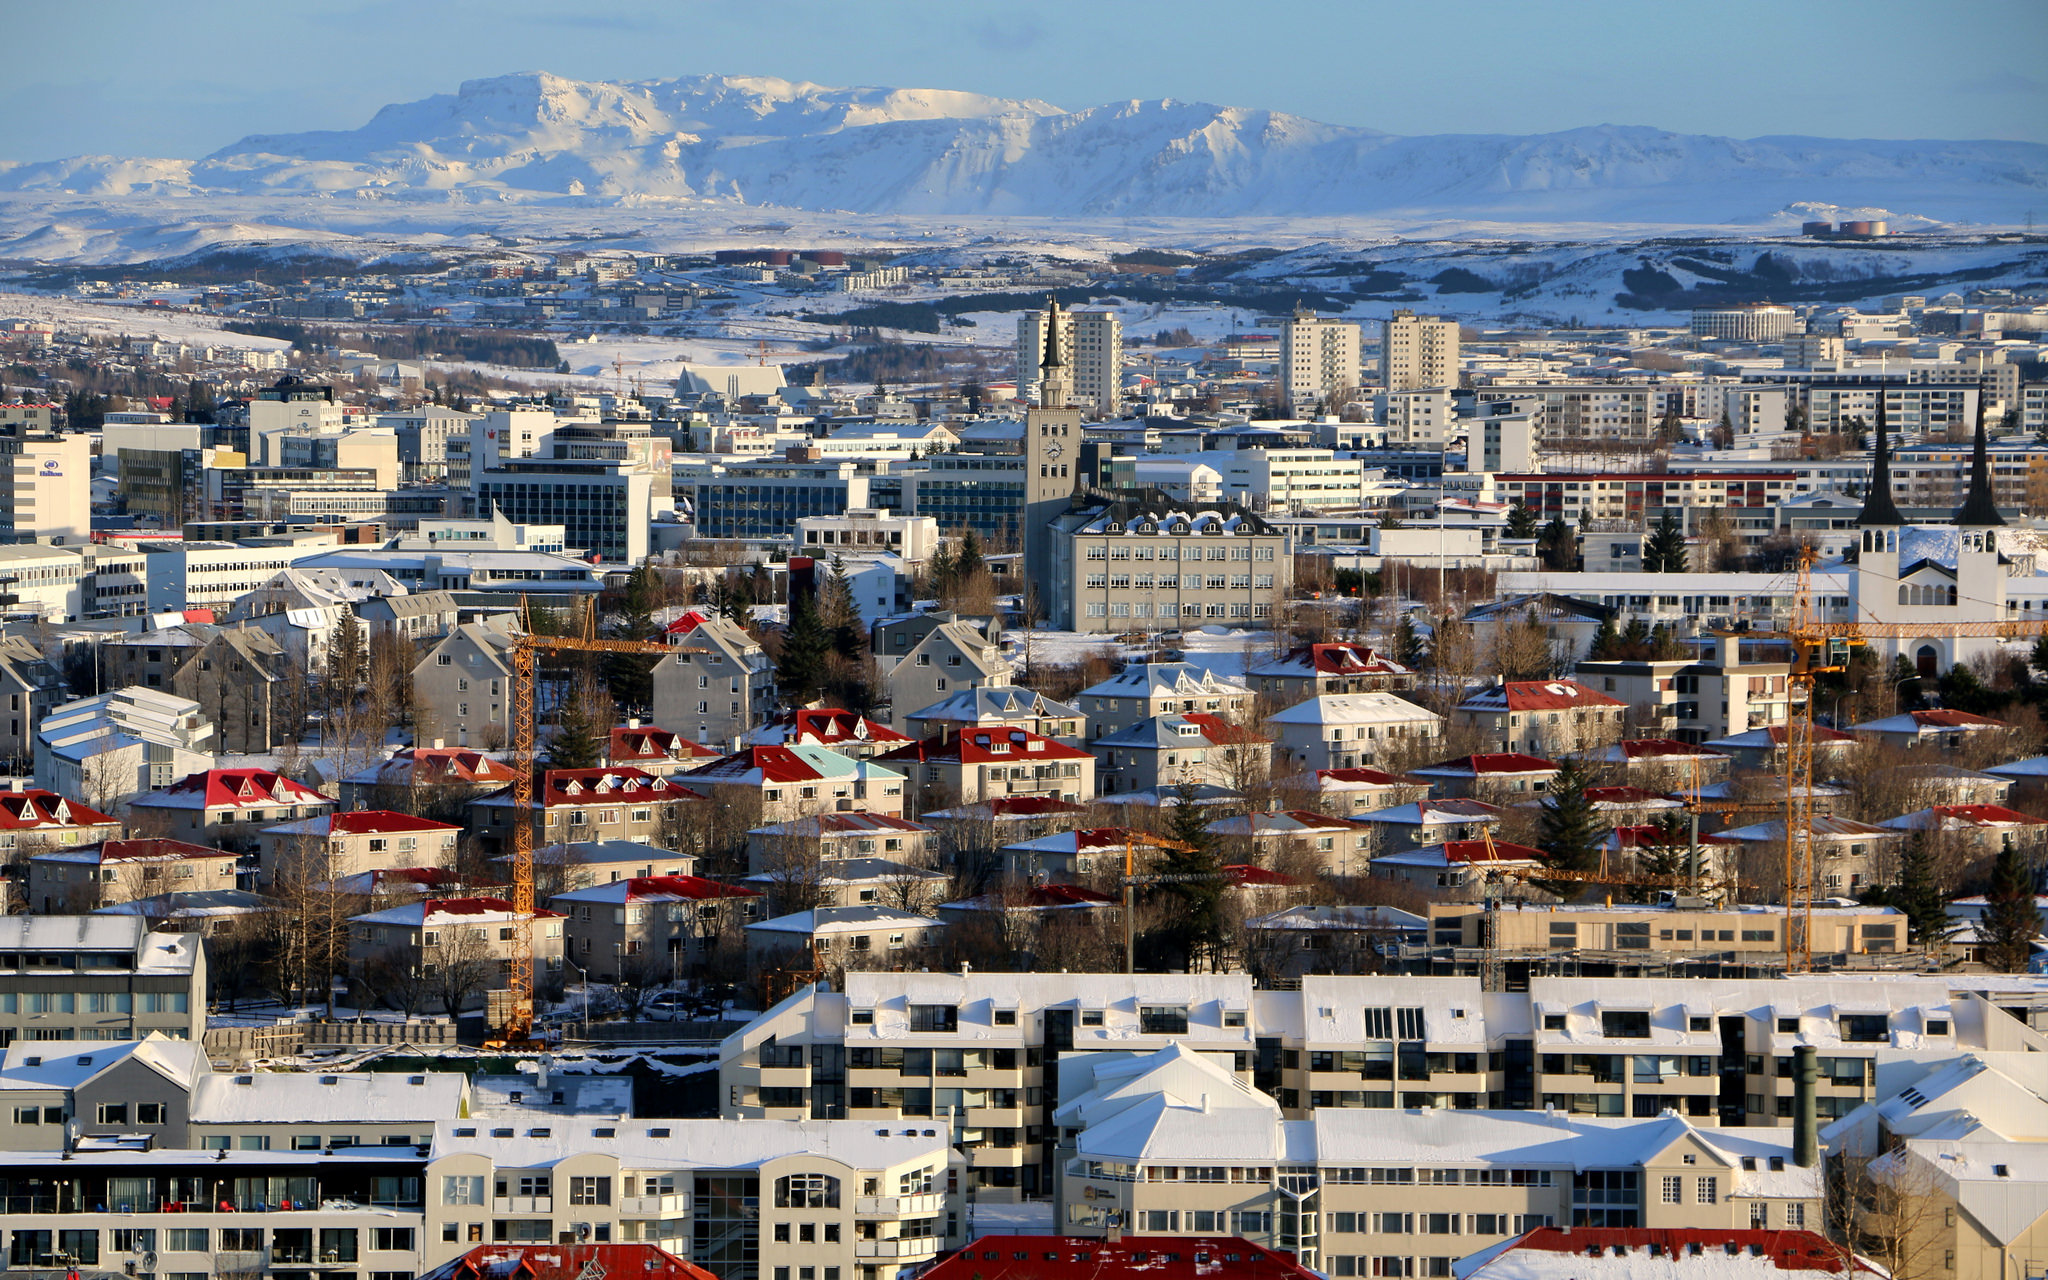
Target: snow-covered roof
x=67, y=1064
x=360, y=1097
x=698, y=1144
x=1354, y=708
x=1164, y=680
x=825, y=921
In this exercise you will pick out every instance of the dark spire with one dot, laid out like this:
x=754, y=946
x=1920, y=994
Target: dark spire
x=1051, y=359
x=1978, y=510
x=1878, y=507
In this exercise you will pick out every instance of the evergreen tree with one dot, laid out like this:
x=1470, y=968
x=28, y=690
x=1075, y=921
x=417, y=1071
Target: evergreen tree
x=1557, y=546
x=1635, y=639
x=969, y=561
x=939, y=570
x=1408, y=650
x=1918, y=897
x=838, y=614
x=1670, y=428
x=583, y=731
x=1196, y=898
x=1569, y=831
x=2039, y=658
x=348, y=657
x=2011, y=920
x=800, y=671
x=1665, y=551
x=1388, y=520
x=1906, y=682
x=1522, y=522
x=630, y=676
x=1605, y=640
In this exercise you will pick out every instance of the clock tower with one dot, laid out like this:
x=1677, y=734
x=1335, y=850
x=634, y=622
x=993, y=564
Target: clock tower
x=1052, y=444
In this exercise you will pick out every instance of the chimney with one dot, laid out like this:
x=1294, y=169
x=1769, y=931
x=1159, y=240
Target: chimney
x=1805, y=1076
x=1730, y=651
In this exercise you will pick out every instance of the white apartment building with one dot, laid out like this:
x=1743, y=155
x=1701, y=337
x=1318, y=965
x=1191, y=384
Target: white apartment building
x=1418, y=353
x=1318, y=357
x=53, y=583
x=1289, y=479
x=213, y=575
x=1748, y=322
x=49, y=489
x=868, y=531
x=1911, y=409
x=1092, y=344
x=1414, y=419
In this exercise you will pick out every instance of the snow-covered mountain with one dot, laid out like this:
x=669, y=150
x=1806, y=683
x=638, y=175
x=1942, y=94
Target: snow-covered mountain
x=536, y=137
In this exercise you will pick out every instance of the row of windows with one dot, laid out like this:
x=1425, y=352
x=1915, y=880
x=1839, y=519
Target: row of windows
x=1124, y=609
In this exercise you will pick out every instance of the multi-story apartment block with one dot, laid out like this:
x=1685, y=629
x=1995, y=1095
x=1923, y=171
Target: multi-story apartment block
x=984, y=492
x=75, y=881
x=576, y=805
x=477, y=936
x=48, y=497
x=717, y=685
x=1146, y=689
x=1092, y=344
x=240, y=676
x=651, y=926
x=465, y=684
x=1543, y=717
x=1415, y=419
x=332, y=845
x=955, y=656
x=1847, y=404
x=973, y=765
x=1347, y=730
x=1746, y=322
x=1318, y=358
x=1140, y=566
x=1418, y=353
x=225, y=807
x=1568, y=411
x=98, y=977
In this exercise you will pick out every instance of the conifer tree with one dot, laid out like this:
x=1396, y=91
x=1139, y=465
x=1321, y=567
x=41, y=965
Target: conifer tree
x=1569, y=830
x=347, y=655
x=1522, y=522
x=2011, y=920
x=1557, y=546
x=1196, y=894
x=800, y=670
x=838, y=614
x=630, y=676
x=969, y=561
x=1408, y=650
x=1605, y=640
x=583, y=730
x=1917, y=896
x=1665, y=551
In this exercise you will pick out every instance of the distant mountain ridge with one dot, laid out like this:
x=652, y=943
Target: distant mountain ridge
x=749, y=140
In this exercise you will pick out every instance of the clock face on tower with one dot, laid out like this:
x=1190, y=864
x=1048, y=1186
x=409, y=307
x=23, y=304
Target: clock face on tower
x=1055, y=450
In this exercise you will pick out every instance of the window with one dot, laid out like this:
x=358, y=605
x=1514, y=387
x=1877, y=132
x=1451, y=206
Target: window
x=807, y=1191
x=462, y=1189
x=389, y=1238
x=1379, y=1024
x=1674, y=1190
x=1412, y=1025
x=188, y=1239
x=597, y=1190
x=113, y=1113
x=1625, y=1024
x=1710, y=1191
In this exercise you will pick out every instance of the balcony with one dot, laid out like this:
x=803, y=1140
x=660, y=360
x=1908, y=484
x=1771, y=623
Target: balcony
x=246, y=1261
x=632, y=1206
x=995, y=1117
x=914, y=1248
x=523, y=1204
x=890, y=1206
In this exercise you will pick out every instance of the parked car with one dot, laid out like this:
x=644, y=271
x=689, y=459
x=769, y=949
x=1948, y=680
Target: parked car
x=670, y=1006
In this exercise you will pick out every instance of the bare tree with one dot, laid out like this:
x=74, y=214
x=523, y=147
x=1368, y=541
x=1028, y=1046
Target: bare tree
x=395, y=974
x=458, y=966
x=1891, y=1210
x=309, y=931
x=795, y=867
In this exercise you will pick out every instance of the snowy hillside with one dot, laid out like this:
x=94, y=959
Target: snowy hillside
x=760, y=141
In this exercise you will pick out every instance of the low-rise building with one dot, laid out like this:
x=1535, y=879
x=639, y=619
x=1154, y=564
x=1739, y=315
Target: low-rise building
x=74, y=881
x=999, y=763
x=98, y=977
x=1146, y=689
x=1316, y=669
x=1499, y=777
x=950, y=657
x=840, y=731
x=332, y=845
x=867, y=935
x=651, y=927
x=989, y=705
x=34, y=820
x=455, y=773
x=464, y=684
x=115, y=746
x=447, y=952
x=783, y=783
x=1350, y=730
x=1146, y=564
x=853, y=834
x=1543, y=717
x=1349, y=792
x=1164, y=752
x=1457, y=869
x=717, y=684
x=658, y=751
x=580, y=805
x=1297, y=838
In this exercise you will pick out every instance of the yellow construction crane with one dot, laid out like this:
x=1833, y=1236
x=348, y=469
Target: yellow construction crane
x=516, y=1029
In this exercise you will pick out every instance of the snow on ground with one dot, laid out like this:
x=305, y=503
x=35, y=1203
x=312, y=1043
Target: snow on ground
x=113, y=320
x=606, y=1064
x=1222, y=651
x=1031, y=1218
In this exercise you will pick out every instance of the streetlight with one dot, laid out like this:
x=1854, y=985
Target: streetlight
x=584, y=975
x=1900, y=684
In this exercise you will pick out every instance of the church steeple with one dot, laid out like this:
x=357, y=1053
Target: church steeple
x=1979, y=511
x=1878, y=507
x=1053, y=390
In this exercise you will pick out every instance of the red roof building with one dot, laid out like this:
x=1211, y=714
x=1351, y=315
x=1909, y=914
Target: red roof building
x=835, y=730
x=1317, y=669
x=237, y=790
x=1624, y=1253
x=617, y=802
x=567, y=1262
x=1494, y=775
x=436, y=766
x=1137, y=1257
x=1543, y=717
x=48, y=814
x=996, y=761
x=656, y=750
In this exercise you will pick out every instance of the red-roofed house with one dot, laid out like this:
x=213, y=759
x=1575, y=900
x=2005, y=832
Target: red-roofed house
x=334, y=845
x=1067, y=855
x=841, y=731
x=1329, y=668
x=1028, y=907
x=417, y=882
x=396, y=783
x=567, y=1262
x=1350, y=792
x=646, y=927
x=1984, y=829
x=1495, y=777
x=1156, y=753
x=613, y=803
x=995, y=761
x=853, y=834
x=1940, y=728
x=225, y=807
x=781, y=783
x=37, y=819
x=1296, y=838
x=661, y=752
x=1659, y=764
x=1543, y=717
x=1624, y=1253
x=1131, y=1258
x=74, y=881
x=1456, y=867
x=444, y=953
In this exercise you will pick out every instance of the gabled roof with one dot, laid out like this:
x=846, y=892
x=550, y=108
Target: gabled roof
x=362, y=822
x=431, y=911
x=423, y=880
x=994, y=702
x=1627, y=1253
x=1772, y=737
x=1950, y=817
x=1434, y=813
x=1611, y=798
x=142, y=850
x=836, y=920
x=1009, y=809
x=1353, y=708
x=1038, y=897
x=1493, y=764
x=1824, y=828
x=1537, y=695
x=824, y=727
x=1649, y=749
x=984, y=744
x=1331, y=660
x=1092, y=840
x=233, y=789
x=1937, y=720
x=426, y=766
x=1360, y=779
x=593, y=786
x=656, y=889
x=67, y=1064
x=778, y=766
x=847, y=823
x=36, y=809
x=1162, y=680
x=1189, y=730
x=645, y=742
x=836, y=872
x=1279, y=822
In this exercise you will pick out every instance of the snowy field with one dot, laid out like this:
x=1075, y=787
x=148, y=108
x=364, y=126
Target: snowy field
x=115, y=320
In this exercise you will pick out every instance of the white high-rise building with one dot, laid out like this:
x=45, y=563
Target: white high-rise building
x=1318, y=357
x=1419, y=352
x=49, y=489
x=1091, y=343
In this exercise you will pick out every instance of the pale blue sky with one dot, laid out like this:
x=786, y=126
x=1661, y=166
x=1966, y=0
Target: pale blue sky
x=145, y=77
